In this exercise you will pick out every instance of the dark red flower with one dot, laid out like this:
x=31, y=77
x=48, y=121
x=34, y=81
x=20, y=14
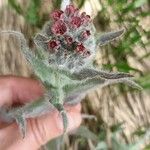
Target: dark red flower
x=59, y=27
x=85, y=18
x=56, y=14
x=68, y=39
x=86, y=34
x=83, y=14
x=80, y=48
x=88, y=17
x=76, y=21
x=70, y=10
x=53, y=44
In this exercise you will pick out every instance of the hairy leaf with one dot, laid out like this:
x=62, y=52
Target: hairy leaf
x=92, y=83
x=105, y=38
x=41, y=41
x=90, y=73
x=85, y=133
x=21, y=121
x=24, y=47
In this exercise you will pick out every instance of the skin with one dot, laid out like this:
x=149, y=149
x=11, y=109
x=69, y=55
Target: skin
x=19, y=90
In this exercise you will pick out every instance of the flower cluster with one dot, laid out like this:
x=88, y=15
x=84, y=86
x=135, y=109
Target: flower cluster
x=70, y=31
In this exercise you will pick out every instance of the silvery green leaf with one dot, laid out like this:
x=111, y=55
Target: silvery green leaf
x=46, y=30
x=76, y=92
x=110, y=36
x=24, y=47
x=82, y=86
x=42, y=71
x=90, y=73
x=38, y=107
x=55, y=144
x=21, y=122
x=41, y=41
x=63, y=114
x=84, y=132
x=92, y=83
x=64, y=119
x=127, y=81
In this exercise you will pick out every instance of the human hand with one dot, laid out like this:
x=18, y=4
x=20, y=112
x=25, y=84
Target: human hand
x=40, y=130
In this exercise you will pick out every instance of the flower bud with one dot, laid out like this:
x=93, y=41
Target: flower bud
x=56, y=14
x=76, y=22
x=86, y=34
x=59, y=27
x=70, y=10
x=53, y=45
x=80, y=48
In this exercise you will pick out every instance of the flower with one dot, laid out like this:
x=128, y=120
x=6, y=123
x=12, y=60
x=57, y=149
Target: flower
x=71, y=28
x=70, y=10
x=80, y=48
x=85, y=18
x=59, y=27
x=56, y=14
x=76, y=22
x=86, y=34
x=53, y=45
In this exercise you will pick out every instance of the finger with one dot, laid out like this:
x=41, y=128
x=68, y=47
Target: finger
x=19, y=90
x=3, y=125
x=40, y=130
x=76, y=107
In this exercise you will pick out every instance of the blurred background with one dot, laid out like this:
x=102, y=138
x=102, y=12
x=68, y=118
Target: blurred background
x=122, y=114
